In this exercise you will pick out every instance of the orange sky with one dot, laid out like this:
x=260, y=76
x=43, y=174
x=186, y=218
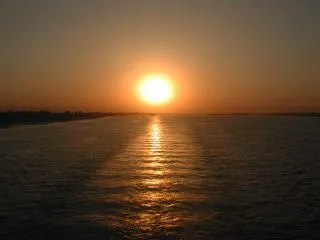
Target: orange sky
x=222, y=56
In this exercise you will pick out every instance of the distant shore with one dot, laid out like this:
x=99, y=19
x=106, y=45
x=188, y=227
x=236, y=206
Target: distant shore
x=17, y=118
x=297, y=114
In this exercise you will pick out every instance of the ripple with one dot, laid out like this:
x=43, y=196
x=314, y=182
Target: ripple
x=161, y=177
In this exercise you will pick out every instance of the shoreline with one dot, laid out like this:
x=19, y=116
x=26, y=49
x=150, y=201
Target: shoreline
x=24, y=118
x=267, y=114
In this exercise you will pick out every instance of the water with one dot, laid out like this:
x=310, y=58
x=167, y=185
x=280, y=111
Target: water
x=162, y=177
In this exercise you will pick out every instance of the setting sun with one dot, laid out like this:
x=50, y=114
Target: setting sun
x=155, y=89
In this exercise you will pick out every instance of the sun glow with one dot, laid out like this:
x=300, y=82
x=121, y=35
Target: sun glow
x=155, y=89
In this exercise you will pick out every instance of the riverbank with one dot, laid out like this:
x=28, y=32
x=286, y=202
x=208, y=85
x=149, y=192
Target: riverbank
x=294, y=114
x=16, y=118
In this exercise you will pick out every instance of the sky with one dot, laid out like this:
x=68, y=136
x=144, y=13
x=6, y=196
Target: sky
x=221, y=55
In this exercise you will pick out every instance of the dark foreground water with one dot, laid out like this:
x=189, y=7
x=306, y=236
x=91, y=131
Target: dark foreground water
x=162, y=177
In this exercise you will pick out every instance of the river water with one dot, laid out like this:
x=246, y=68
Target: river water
x=162, y=177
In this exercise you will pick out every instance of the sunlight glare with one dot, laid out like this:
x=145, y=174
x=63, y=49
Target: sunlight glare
x=155, y=89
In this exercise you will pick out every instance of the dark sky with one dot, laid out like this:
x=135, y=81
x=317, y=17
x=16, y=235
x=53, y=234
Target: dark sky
x=223, y=56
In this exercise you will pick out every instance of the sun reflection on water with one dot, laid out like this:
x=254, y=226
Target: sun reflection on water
x=154, y=193
x=155, y=138
x=148, y=180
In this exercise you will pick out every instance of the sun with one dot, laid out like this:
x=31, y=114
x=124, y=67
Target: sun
x=155, y=89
